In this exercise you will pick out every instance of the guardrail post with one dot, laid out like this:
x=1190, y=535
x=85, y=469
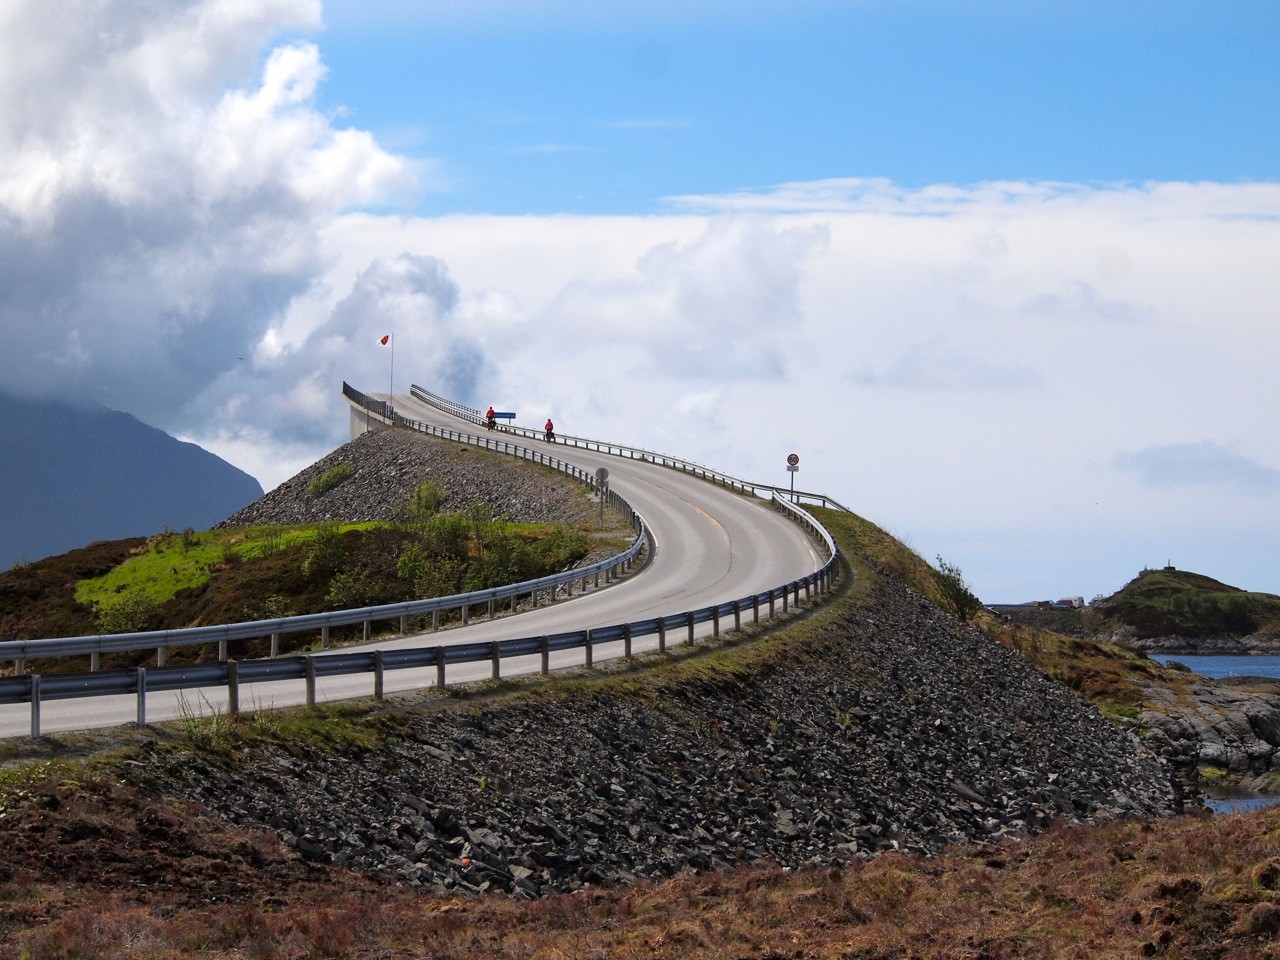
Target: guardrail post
x=689, y=617
x=495, y=654
x=275, y=644
x=772, y=611
x=310, y=663
x=533, y=597
x=233, y=688
x=95, y=662
x=597, y=578
x=142, y=696
x=377, y=673
x=808, y=588
x=404, y=624
x=324, y=637
x=785, y=598
x=544, y=644
x=440, y=668
x=795, y=602
x=435, y=620
x=491, y=607
x=368, y=630
x=161, y=656
x=35, y=704
x=626, y=640
x=19, y=667
x=737, y=615
x=715, y=621
x=588, y=648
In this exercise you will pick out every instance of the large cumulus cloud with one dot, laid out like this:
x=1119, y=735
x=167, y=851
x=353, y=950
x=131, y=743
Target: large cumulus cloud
x=162, y=186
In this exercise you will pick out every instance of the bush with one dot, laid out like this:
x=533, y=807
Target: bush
x=330, y=479
x=955, y=591
x=429, y=496
x=327, y=552
x=350, y=589
x=126, y=614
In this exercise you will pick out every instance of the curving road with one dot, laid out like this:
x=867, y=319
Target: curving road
x=710, y=545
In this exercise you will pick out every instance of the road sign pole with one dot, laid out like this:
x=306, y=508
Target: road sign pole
x=793, y=464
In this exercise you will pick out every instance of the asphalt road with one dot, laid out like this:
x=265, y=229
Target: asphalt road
x=710, y=545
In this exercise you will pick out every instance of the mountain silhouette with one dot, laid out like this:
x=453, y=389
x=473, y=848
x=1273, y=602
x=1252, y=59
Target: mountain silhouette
x=71, y=475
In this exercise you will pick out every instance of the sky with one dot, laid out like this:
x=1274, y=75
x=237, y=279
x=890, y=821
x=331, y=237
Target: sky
x=1005, y=275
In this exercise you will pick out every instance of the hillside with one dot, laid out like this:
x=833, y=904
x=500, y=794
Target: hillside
x=71, y=475
x=1171, y=603
x=489, y=521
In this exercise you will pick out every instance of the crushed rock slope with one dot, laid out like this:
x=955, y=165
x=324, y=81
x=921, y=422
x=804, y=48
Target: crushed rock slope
x=889, y=726
x=388, y=465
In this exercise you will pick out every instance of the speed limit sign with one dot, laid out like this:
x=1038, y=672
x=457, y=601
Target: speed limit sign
x=793, y=459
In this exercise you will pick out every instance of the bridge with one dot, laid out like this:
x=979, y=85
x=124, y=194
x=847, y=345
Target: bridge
x=716, y=550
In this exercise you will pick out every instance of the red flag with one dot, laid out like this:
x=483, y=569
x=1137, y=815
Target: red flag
x=384, y=340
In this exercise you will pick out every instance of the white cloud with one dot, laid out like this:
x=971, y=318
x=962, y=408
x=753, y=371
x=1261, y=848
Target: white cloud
x=161, y=192
x=1034, y=334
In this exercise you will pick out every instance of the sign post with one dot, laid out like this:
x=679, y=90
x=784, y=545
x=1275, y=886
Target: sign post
x=602, y=478
x=793, y=464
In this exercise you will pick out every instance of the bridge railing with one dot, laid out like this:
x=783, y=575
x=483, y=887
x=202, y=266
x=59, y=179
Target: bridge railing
x=94, y=646
x=472, y=415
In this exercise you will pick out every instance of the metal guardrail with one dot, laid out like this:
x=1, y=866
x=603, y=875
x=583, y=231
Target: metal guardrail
x=35, y=689
x=472, y=415
x=160, y=640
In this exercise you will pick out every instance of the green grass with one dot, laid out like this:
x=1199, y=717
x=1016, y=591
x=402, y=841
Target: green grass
x=175, y=562
x=330, y=479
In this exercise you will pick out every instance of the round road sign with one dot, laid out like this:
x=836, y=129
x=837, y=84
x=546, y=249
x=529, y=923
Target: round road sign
x=602, y=474
x=793, y=459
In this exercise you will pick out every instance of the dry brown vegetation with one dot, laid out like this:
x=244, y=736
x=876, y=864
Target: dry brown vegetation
x=92, y=869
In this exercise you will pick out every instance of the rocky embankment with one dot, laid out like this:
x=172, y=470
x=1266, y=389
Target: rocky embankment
x=1232, y=725
x=876, y=726
x=388, y=465
x=1222, y=646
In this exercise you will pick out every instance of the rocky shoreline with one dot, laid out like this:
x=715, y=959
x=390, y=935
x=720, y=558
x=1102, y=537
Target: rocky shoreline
x=884, y=725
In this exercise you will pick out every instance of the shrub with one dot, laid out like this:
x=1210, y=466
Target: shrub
x=955, y=591
x=350, y=589
x=326, y=554
x=127, y=613
x=330, y=479
x=429, y=496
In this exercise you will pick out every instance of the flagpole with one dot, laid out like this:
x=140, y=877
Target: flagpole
x=392, y=392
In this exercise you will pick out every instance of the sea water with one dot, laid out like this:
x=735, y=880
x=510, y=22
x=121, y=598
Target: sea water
x=1218, y=667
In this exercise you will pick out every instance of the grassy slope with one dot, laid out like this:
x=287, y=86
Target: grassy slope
x=1179, y=603
x=166, y=884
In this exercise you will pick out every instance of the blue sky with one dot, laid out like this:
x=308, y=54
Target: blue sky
x=613, y=110
x=1006, y=275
